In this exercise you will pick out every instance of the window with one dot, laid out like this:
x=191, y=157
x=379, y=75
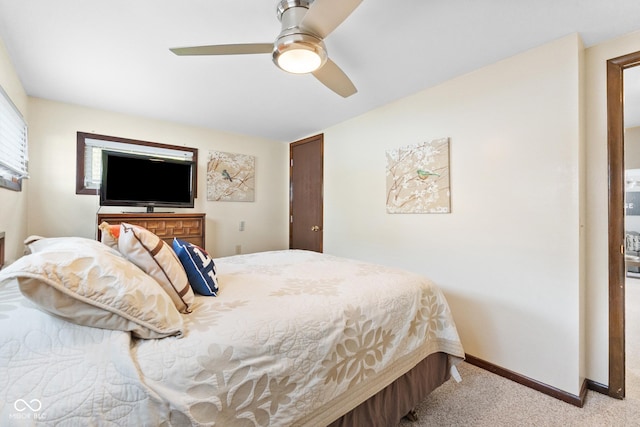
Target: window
x=13, y=145
x=89, y=157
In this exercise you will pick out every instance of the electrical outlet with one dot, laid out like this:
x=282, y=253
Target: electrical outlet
x=238, y=249
x=241, y=227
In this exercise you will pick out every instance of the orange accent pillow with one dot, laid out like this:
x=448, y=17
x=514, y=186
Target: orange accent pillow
x=110, y=234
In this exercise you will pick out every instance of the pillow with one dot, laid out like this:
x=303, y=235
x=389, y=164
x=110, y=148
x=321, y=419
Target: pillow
x=200, y=268
x=109, y=234
x=28, y=241
x=51, y=244
x=155, y=257
x=95, y=287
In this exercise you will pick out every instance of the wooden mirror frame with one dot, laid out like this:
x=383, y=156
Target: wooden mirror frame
x=615, y=151
x=80, y=149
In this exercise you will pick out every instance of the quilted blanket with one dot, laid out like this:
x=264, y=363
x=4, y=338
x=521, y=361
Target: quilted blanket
x=293, y=338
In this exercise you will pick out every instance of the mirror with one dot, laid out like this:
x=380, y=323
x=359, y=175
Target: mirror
x=616, y=215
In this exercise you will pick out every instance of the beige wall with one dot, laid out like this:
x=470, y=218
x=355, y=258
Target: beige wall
x=597, y=296
x=13, y=205
x=508, y=256
x=55, y=209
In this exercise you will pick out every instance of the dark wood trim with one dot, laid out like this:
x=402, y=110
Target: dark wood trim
x=597, y=387
x=80, y=148
x=531, y=383
x=615, y=159
x=615, y=155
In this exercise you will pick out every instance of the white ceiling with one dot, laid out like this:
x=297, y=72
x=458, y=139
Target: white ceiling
x=115, y=55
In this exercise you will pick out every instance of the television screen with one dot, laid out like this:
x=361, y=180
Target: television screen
x=141, y=180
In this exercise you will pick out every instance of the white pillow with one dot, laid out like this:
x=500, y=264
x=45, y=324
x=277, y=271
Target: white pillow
x=156, y=258
x=94, y=286
x=51, y=244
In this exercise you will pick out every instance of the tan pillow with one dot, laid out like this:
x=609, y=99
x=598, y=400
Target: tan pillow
x=157, y=259
x=96, y=287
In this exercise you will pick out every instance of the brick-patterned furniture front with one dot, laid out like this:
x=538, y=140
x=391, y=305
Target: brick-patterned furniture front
x=185, y=226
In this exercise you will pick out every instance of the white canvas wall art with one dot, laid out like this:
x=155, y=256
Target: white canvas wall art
x=418, y=178
x=230, y=177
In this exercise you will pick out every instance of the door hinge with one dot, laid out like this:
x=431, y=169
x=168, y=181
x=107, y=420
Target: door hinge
x=291, y=163
x=291, y=219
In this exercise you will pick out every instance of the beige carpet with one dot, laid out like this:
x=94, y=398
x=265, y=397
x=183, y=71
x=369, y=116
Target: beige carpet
x=485, y=399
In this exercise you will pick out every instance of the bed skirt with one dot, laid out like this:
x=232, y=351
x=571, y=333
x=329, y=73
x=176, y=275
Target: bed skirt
x=389, y=405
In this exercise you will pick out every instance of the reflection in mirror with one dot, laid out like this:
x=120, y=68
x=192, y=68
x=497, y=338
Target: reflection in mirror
x=631, y=119
x=632, y=97
x=632, y=167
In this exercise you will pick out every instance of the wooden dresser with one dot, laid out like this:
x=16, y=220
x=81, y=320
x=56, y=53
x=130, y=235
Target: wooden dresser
x=185, y=226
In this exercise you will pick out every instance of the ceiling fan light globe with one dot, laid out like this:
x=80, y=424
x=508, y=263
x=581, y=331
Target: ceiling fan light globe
x=299, y=61
x=299, y=53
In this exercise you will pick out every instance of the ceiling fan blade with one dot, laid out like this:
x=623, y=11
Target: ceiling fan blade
x=224, y=49
x=325, y=15
x=335, y=79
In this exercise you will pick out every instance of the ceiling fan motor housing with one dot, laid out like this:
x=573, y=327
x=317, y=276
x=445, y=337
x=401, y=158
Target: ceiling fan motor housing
x=284, y=5
x=293, y=38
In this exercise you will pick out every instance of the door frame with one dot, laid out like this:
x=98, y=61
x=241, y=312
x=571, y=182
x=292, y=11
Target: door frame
x=615, y=152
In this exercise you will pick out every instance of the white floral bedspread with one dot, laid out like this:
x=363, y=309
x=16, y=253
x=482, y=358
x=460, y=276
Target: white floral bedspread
x=293, y=338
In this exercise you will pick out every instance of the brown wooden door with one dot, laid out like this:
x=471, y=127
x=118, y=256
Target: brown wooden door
x=305, y=194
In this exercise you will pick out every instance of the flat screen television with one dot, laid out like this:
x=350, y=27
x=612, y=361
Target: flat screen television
x=145, y=180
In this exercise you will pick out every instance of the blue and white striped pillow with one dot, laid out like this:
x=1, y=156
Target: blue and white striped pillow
x=200, y=268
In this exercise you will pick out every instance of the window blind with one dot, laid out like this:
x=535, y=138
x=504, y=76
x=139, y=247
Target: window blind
x=13, y=142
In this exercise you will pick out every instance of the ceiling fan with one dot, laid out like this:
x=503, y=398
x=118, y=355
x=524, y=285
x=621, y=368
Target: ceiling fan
x=299, y=48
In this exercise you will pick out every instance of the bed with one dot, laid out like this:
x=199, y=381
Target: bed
x=291, y=338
